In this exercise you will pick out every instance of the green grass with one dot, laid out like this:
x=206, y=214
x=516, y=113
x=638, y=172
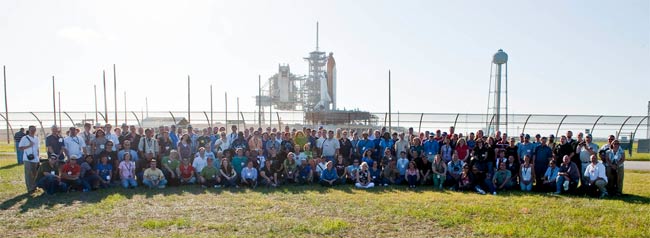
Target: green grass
x=317, y=212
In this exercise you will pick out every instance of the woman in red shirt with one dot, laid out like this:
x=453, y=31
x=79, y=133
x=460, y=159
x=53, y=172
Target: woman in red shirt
x=462, y=149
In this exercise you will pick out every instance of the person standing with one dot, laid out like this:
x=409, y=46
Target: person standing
x=19, y=153
x=616, y=159
x=29, y=144
x=54, y=143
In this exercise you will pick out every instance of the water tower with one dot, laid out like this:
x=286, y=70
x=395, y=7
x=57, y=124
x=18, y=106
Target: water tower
x=497, y=116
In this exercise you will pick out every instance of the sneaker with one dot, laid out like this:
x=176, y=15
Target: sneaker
x=566, y=185
x=479, y=190
x=161, y=186
x=385, y=185
x=217, y=186
x=203, y=186
x=603, y=195
x=85, y=190
x=556, y=193
x=494, y=193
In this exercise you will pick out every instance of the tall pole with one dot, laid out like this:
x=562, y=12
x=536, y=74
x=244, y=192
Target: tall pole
x=105, y=101
x=96, y=116
x=4, y=73
x=390, y=121
x=648, y=122
x=238, y=112
x=60, y=123
x=211, y=112
x=259, y=100
x=115, y=93
x=125, y=115
x=54, y=98
x=189, y=117
x=226, y=102
x=146, y=106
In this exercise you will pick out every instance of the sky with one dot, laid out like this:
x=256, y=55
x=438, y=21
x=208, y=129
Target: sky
x=565, y=57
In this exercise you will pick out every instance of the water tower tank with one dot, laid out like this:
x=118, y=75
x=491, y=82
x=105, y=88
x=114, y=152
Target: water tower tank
x=500, y=57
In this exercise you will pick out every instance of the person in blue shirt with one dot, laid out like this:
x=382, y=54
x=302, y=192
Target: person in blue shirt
x=431, y=147
x=541, y=156
x=471, y=142
x=104, y=171
x=525, y=148
x=549, y=183
x=364, y=144
x=329, y=177
x=305, y=176
x=375, y=173
x=173, y=137
x=367, y=157
x=386, y=142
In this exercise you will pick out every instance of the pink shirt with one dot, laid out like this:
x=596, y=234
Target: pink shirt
x=127, y=169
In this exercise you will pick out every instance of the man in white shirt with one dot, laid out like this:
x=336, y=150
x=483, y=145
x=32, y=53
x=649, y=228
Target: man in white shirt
x=74, y=144
x=110, y=135
x=330, y=147
x=29, y=144
x=595, y=177
x=200, y=161
x=585, y=150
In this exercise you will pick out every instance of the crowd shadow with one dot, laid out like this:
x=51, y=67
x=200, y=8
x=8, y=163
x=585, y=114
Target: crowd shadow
x=41, y=200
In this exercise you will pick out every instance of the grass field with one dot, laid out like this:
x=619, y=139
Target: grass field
x=316, y=212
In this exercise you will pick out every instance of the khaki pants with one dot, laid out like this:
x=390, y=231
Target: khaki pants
x=615, y=178
x=602, y=185
x=30, y=175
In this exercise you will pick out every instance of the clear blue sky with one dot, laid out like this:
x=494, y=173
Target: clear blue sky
x=566, y=57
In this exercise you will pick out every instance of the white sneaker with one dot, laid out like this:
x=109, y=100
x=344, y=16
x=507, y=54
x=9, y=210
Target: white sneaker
x=494, y=193
x=385, y=185
x=566, y=185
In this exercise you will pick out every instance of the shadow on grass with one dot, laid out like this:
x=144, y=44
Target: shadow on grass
x=33, y=201
x=10, y=166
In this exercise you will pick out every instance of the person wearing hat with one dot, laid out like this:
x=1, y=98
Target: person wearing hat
x=585, y=149
x=71, y=175
x=525, y=148
x=74, y=144
x=48, y=176
x=153, y=177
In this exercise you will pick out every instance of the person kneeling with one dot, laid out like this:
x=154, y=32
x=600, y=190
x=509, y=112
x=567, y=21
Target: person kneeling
x=48, y=178
x=186, y=172
x=502, y=178
x=595, y=178
x=249, y=175
x=210, y=176
x=154, y=177
x=328, y=177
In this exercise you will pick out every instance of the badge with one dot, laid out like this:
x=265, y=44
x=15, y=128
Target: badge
x=60, y=140
x=69, y=173
x=102, y=147
x=52, y=172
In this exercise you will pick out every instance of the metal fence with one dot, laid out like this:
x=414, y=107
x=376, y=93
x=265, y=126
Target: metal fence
x=599, y=125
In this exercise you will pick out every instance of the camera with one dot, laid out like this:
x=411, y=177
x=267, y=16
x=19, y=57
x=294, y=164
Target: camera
x=30, y=157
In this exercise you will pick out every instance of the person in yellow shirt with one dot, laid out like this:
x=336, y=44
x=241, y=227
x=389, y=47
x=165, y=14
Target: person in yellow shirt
x=154, y=177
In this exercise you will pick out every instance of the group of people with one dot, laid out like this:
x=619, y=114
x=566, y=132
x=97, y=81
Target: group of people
x=93, y=158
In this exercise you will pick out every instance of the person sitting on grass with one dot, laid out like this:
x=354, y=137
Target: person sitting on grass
x=513, y=166
x=170, y=167
x=239, y=161
x=290, y=168
x=439, y=168
x=567, y=177
x=454, y=170
x=328, y=177
x=249, y=175
x=412, y=175
x=481, y=181
x=340, y=169
x=127, y=172
x=304, y=175
x=48, y=176
x=88, y=175
x=154, y=177
x=426, y=170
x=104, y=171
x=186, y=172
x=549, y=181
x=526, y=175
x=267, y=177
x=363, y=177
x=390, y=175
x=375, y=174
x=71, y=175
x=228, y=174
x=595, y=177
x=502, y=178
x=210, y=176
x=465, y=180
x=351, y=171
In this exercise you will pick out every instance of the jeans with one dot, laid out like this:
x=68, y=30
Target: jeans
x=412, y=179
x=76, y=183
x=229, y=182
x=369, y=185
x=19, y=154
x=129, y=182
x=150, y=184
x=525, y=187
x=50, y=184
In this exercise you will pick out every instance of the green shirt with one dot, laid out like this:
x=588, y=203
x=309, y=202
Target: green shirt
x=501, y=176
x=239, y=163
x=171, y=163
x=209, y=172
x=45, y=167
